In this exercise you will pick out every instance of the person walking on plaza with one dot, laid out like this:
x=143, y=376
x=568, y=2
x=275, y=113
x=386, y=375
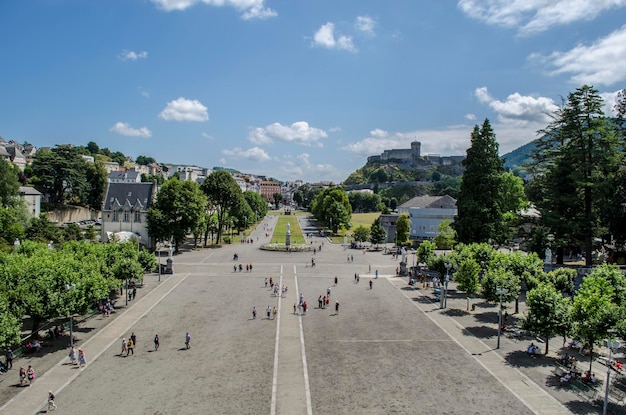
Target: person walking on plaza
x=268, y=311
x=72, y=355
x=187, y=340
x=336, y=307
x=9, y=358
x=51, y=405
x=133, y=338
x=22, y=373
x=130, y=347
x=30, y=375
x=124, y=348
x=274, y=311
x=376, y=275
x=253, y=313
x=336, y=280
x=371, y=283
x=82, y=360
x=157, y=342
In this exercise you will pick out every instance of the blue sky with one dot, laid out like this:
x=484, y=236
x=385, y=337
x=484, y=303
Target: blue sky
x=297, y=89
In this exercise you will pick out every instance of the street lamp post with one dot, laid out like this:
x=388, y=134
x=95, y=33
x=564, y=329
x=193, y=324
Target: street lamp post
x=612, y=345
x=159, y=254
x=500, y=292
x=443, y=293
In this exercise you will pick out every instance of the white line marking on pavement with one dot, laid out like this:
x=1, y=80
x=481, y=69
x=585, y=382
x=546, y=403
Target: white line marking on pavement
x=307, y=389
x=276, y=343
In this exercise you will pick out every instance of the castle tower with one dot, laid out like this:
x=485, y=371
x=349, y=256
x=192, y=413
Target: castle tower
x=415, y=149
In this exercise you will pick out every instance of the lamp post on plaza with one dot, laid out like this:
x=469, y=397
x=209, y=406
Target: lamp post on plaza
x=444, y=288
x=612, y=345
x=159, y=254
x=500, y=292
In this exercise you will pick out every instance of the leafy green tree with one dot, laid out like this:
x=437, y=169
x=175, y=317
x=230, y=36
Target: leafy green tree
x=10, y=323
x=403, y=229
x=332, y=204
x=277, y=199
x=446, y=238
x=361, y=234
x=594, y=314
x=96, y=177
x=145, y=160
x=425, y=251
x=364, y=202
x=562, y=279
x=546, y=310
x=178, y=206
x=377, y=233
x=578, y=151
x=499, y=279
x=257, y=203
x=42, y=230
x=60, y=173
x=93, y=148
x=468, y=277
x=480, y=211
x=9, y=184
x=146, y=260
x=223, y=195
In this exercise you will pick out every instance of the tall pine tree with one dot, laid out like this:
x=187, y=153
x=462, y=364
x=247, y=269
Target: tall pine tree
x=480, y=210
x=576, y=160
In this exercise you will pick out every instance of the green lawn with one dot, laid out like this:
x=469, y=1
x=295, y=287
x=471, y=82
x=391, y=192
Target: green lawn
x=280, y=231
x=364, y=219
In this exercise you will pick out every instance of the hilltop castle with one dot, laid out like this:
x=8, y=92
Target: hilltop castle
x=412, y=156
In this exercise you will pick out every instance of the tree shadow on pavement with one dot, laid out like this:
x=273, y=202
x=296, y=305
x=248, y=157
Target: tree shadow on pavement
x=423, y=300
x=519, y=358
x=594, y=407
x=481, y=332
x=455, y=312
x=490, y=317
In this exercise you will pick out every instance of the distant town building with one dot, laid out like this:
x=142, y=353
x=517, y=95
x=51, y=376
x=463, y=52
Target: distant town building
x=267, y=189
x=124, y=177
x=426, y=214
x=32, y=200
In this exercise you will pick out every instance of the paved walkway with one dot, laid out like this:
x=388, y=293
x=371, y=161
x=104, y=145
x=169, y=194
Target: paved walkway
x=31, y=399
x=525, y=389
x=315, y=358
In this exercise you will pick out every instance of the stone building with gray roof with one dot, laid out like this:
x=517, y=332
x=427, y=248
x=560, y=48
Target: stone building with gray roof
x=426, y=214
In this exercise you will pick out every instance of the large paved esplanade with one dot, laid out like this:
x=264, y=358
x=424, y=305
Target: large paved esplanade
x=387, y=350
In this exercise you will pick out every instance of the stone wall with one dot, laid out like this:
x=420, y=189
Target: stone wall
x=71, y=214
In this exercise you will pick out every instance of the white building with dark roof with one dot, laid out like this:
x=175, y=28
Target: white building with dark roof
x=125, y=209
x=32, y=200
x=426, y=214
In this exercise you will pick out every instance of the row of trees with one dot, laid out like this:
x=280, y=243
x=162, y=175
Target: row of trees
x=594, y=312
x=578, y=181
x=203, y=210
x=48, y=282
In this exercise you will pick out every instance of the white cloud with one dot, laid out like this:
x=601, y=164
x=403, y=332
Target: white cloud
x=249, y=9
x=610, y=100
x=601, y=63
x=123, y=128
x=252, y=154
x=129, y=55
x=183, y=109
x=365, y=24
x=470, y=117
x=534, y=16
x=300, y=166
x=207, y=136
x=298, y=132
x=517, y=107
x=325, y=37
